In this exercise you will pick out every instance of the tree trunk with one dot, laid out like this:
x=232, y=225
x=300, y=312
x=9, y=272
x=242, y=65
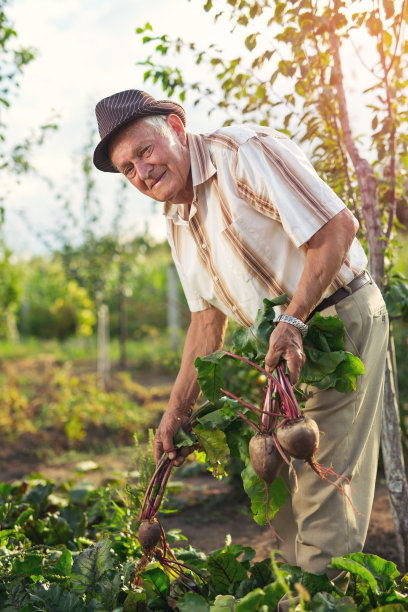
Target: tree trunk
x=103, y=347
x=366, y=179
x=391, y=434
x=394, y=460
x=173, y=311
x=122, y=318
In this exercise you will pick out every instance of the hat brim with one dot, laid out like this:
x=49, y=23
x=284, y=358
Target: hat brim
x=101, y=157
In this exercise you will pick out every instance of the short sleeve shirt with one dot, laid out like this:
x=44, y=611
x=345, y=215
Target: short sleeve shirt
x=257, y=202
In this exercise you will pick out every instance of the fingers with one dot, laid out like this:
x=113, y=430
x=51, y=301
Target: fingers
x=182, y=454
x=157, y=448
x=286, y=342
x=271, y=360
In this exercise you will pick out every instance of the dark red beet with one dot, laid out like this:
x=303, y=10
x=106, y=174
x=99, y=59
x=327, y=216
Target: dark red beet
x=299, y=438
x=265, y=457
x=149, y=534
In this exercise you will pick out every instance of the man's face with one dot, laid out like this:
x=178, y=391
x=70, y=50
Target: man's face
x=157, y=165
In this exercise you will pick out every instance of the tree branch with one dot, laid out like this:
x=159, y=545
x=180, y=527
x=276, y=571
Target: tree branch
x=366, y=179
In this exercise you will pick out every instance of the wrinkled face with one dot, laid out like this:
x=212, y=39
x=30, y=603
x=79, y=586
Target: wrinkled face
x=157, y=164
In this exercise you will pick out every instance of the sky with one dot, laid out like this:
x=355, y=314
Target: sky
x=86, y=50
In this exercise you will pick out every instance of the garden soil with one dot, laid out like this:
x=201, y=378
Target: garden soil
x=207, y=509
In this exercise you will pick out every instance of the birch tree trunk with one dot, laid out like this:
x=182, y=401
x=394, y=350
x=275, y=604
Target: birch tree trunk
x=391, y=434
x=394, y=461
x=103, y=347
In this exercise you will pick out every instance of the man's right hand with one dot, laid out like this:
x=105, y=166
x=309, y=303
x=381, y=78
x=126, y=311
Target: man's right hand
x=164, y=438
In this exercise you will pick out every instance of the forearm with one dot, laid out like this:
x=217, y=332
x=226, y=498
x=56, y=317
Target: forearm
x=326, y=252
x=204, y=336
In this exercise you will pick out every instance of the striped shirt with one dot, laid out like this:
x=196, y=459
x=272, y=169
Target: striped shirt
x=257, y=201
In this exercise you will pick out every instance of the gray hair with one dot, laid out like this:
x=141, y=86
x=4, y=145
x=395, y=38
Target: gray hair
x=159, y=123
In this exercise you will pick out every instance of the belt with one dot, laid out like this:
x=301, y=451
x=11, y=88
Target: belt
x=357, y=282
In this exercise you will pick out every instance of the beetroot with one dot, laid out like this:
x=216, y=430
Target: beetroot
x=265, y=457
x=149, y=534
x=299, y=437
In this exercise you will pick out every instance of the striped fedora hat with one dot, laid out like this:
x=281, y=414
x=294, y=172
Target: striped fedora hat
x=114, y=112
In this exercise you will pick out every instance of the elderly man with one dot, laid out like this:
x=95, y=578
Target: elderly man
x=249, y=218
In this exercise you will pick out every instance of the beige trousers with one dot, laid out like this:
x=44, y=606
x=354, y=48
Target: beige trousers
x=316, y=523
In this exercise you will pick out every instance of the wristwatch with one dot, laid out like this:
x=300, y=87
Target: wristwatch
x=302, y=327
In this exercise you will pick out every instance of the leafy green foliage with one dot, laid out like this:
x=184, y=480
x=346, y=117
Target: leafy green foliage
x=256, y=491
x=327, y=365
x=94, y=569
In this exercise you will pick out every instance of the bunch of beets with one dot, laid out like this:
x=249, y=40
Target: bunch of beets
x=282, y=432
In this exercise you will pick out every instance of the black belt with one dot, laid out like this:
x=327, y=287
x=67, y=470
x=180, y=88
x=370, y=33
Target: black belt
x=357, y=282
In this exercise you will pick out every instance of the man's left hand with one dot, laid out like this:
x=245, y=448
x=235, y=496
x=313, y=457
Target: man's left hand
x=286, y=342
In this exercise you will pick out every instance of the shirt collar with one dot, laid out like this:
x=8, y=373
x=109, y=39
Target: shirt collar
x=202, y=168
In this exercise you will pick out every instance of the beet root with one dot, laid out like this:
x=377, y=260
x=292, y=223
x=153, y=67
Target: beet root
x=265, y=457
x=299, y=437
x=150, y=532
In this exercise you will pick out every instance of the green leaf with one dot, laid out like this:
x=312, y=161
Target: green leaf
x=183, y=438
x=319, y=366
x=314, y=583
x=251, y=601
x=81, y=493
x=262, y=573
x=54, y=597
x=18, y=598
x=108, y=589
x=89, y=566
x=64, y=563
x=396, y=299
x=256, y=491
x=226, y=572
x=5, y=534
x=253, y=343
x=223, y=603
x=30, y=565
x=136, y=601
x=385, y=572
x=355, y=568
x=157, y=586
x=347, y=372
x=216, y=448
x=5, y=490
x=210, y=374
x=325, y=602
x=273, y=593
x=193, y=601
x=325, y=333
x=327, y=363
x=39, y=494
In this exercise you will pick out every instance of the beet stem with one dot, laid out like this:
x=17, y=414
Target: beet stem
x=267, y=514
x=159, y=496
x=150, y=487
x=248, y=421
x=244, y=403
x=286, y=460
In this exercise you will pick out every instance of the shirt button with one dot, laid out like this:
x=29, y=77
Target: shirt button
x=234, y=308
x=216, y=279
x=203, y=246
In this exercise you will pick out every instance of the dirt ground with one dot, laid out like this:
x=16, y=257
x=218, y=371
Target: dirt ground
x=208, y=509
